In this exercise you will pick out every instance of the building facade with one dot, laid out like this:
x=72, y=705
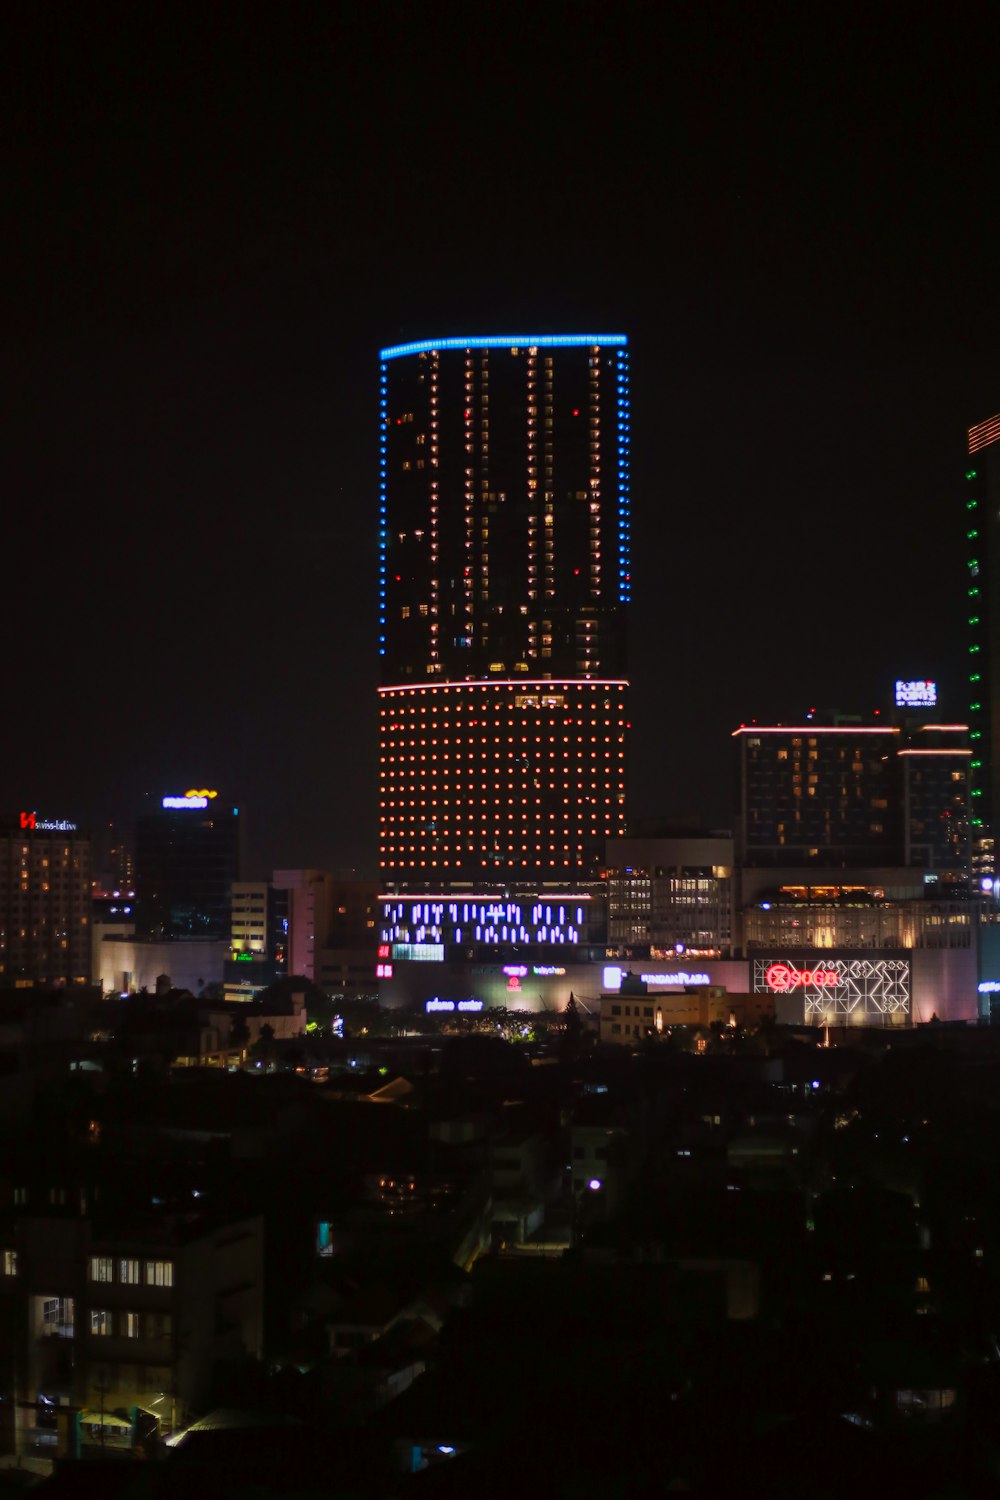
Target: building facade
x=45, y=901
x=981, y=517
x=259, y=941
x=101, y=1313
x=853, y=794
x=672, y=895
x=187, y=860
x=504, y=576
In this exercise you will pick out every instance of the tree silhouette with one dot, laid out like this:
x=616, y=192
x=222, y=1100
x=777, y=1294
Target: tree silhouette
x=263, y=1048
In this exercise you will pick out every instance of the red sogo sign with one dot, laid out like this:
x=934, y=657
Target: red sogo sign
x=784, y=977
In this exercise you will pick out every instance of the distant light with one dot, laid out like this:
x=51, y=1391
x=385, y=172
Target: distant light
x=595, y=1184
x=445, y=1448
x=986, y=884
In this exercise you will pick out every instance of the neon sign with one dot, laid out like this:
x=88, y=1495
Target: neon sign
x=32, y=821
x=185, y=802
x=467, y=1005
x=547, y=971
x=613, y=976
x=858, y=985
x=917, y=694
x=784, y=977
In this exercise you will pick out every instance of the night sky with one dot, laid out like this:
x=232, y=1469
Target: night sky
x=216, y=216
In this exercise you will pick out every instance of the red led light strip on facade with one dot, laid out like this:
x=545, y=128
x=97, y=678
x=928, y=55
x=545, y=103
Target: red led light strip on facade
x=813, y=729
x=984, y=433
x=518, y=682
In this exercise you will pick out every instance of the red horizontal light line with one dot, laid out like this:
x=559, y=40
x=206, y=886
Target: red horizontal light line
x=532, y=682
x=984, y=433
x=956, y=751
x=926, y=727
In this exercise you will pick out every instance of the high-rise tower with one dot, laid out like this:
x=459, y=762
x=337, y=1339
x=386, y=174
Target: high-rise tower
x=504, y=572
x=982, y=534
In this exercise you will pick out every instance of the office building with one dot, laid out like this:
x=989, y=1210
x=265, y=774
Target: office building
x=308, y=924
x=45, y=901
x=504, y=576
x=186, y=860
x=259, y=941
x=669, y=896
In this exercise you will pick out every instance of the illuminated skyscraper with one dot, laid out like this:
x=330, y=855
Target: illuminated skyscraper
x=504, y=572
x=982, y=534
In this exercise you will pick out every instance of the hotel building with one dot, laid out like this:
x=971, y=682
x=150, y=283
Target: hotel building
x=504, y=576
x=45, y=901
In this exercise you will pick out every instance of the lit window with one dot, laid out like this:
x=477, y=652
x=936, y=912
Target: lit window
x=101, y=1322
x=102, y=1268
x=10, y=1263
x=129, y=1272
x=159, y=1273
x=130, y=1325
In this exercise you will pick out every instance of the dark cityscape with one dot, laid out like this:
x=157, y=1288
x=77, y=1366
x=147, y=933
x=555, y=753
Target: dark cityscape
x=499, y=895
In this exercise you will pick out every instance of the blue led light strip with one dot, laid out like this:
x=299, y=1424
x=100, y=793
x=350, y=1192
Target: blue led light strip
x=505, y=341
x=623, y=409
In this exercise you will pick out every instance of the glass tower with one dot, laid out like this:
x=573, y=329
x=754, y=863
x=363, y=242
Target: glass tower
x=504, y=576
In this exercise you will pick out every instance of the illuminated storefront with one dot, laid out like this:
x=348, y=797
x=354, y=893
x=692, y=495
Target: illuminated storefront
x=836, y=989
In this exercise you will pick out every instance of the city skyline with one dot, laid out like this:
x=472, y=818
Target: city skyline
x=203, y=272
